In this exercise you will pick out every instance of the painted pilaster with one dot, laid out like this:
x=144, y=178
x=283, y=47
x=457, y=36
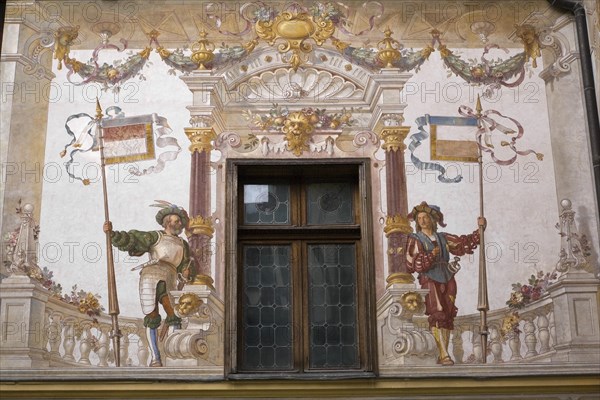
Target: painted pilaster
x=25, y=70
x=571, y=152
x=206, y=120
x=387, y=121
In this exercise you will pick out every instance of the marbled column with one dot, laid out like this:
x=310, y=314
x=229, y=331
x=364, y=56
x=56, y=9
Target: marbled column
x=397, y=226
x=201, y=229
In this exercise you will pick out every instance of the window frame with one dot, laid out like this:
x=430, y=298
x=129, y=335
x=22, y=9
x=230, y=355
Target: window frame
x=237, y=172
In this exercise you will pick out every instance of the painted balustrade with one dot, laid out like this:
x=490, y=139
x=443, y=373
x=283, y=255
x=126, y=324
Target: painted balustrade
x=532, y=341
x=74, y=339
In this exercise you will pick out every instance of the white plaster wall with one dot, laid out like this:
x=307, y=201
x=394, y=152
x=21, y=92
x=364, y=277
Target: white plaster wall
x=72, y=214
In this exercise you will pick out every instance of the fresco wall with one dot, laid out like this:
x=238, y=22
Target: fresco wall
x=218, y=105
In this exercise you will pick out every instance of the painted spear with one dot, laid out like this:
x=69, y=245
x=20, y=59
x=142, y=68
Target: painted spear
x=113, y=302
x=482, y=304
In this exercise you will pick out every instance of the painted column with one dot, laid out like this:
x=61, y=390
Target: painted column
x=397, y=227
x=201, y=229
x=387, y=121
x=206, y=123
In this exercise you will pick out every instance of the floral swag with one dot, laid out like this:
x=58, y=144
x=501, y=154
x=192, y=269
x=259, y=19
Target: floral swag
x=294, y=30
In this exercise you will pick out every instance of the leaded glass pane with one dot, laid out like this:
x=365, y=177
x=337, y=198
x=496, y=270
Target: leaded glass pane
x=330, y=203
x=267, y=204
x=266, y=308
x=332, y=306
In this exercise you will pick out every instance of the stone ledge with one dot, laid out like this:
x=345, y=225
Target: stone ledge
x=166, y=374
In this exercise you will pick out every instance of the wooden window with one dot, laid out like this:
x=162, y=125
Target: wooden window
x=300, y=279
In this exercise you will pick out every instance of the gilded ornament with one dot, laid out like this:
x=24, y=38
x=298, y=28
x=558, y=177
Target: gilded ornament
x=339, y=45
x=202, y=51
x=188, y=304
x=397, y=223
x=251, y=45
x=153, y=34
x=388, y=49
x=444, y=51
x=412, y=302
x=201, y=226
x=63, y=39
x=73, y=63
x=293, y=29
x=164, y=53
x=298, y=130
x=112, y=73
x=204, y=280
x=426, y=51
x=531, y=42
x=201, y=139
x=402, y=278
x=146, y=52
x=393, y=138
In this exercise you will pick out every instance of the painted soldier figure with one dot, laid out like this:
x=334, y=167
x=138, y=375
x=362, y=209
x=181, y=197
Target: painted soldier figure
x=169, y=261
x=428, y=254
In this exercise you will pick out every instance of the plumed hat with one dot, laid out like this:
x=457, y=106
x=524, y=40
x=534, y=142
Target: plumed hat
x=167, y=208
x=434, y=212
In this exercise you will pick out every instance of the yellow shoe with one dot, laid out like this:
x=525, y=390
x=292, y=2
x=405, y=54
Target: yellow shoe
x=446, y=361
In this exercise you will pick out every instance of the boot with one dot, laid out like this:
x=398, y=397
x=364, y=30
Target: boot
x=440, y=341
x=446, y=338
x=152, y=336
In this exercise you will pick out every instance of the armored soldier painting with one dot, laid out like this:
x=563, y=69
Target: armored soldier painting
x=169, y=262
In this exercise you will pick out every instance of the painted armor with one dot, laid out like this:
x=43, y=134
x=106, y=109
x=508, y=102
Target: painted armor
x=165, y=256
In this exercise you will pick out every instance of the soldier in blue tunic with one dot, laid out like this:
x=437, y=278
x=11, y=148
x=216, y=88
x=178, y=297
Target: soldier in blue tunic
x=428, y=254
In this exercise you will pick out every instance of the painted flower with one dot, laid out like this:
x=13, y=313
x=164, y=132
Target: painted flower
x=516, y=300
x=537, y=286
x=510, y=325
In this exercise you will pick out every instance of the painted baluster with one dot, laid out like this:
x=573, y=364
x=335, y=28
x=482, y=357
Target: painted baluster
x=69, y=339
x=85, y=345
x=457, y=346
x=103, y=345
x=143, y=349
x=552, y=327
x=47, y=329
x=55, y=335
x=495, y=344
x=124, y=349
x=530, y=339
x=514, y=343
x=543, y=333
x=476, y=340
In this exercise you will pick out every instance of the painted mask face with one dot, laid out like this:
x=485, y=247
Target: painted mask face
x=412, y=302
x=188, y=304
